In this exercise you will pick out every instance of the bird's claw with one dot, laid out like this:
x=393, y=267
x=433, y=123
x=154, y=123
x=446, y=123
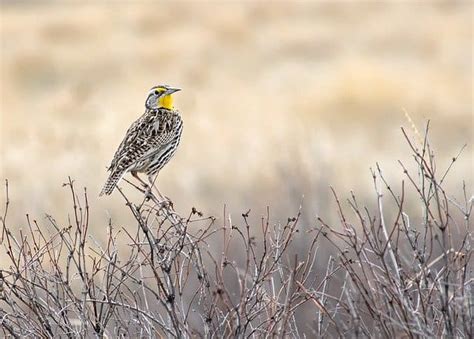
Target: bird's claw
x=148, y=193
x=167, y=203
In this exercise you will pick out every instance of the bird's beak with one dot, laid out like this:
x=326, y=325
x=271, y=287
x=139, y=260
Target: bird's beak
x=172, y=90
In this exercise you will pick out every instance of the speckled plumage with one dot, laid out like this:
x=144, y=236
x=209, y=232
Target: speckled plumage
x=148, y=145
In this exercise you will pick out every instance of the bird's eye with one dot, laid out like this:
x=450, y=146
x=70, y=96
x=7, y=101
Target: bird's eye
x=157, y=92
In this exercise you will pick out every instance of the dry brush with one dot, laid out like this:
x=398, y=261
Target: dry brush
x=385, y=271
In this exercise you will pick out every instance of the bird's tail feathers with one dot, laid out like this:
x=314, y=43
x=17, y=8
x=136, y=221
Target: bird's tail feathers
x=111, y=182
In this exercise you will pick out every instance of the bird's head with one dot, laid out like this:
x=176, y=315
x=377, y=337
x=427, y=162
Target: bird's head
x=160, y=97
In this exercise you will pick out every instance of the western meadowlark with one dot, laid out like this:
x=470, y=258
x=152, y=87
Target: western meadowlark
x=150, y=142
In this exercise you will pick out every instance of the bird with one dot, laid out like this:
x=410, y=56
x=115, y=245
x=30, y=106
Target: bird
x=150, y=142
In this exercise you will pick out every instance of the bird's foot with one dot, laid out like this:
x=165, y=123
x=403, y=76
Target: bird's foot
x=148, y=193
x=167, y=203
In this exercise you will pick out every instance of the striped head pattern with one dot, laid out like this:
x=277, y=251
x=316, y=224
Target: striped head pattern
x=160, y=97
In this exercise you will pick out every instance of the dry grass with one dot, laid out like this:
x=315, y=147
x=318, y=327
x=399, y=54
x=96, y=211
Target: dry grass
x=387, y=272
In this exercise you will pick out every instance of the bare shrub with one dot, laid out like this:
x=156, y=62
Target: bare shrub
x=389, y=273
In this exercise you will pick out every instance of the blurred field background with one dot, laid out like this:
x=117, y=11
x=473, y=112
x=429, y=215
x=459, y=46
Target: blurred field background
x=280, y=100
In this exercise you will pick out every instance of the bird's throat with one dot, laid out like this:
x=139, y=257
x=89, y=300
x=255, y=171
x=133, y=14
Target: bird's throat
x=166, y=101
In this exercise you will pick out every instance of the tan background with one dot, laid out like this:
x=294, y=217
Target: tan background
x=279, y=100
